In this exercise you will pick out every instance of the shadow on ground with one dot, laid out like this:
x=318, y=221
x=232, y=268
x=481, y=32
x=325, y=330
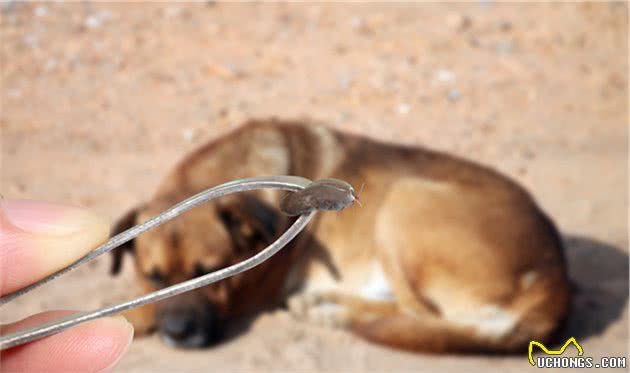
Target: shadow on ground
x=599, y=273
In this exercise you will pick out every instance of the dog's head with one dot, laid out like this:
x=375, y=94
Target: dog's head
x=202, y=240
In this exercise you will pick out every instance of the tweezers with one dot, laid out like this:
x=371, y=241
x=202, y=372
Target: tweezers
x=288, y=183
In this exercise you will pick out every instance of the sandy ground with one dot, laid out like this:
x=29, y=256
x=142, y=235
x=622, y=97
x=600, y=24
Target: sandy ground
x=99, y=101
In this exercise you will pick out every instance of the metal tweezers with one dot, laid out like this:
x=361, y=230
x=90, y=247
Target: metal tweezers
x=289, y=183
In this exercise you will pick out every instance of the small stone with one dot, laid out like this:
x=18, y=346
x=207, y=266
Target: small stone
x=14, y=93
x=454, y=94
x=40, y=11
x=504, y=48
x=458, y=22
x=505, y=25
x=356, y=22
x=172, y=11
x=528, y=154
x=74, y=62
x=51, y=64
x=345, y=81
x=188, y=134
x=19, y=187
x=360, y=25
x=31, y=41
x=474, y=42
x=341, y=49
x=228, y=71
x=344, y=116
x=403, y=109
x=93, y=22
x=97, y=20
x=444, y=76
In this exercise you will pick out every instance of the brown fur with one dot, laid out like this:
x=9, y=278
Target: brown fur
x=464, y=258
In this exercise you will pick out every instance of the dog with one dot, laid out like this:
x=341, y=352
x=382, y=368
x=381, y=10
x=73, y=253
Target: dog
x=444, y=256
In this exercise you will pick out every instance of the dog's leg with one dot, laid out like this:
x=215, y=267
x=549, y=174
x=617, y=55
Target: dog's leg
x=384, y=322
x=335, y=309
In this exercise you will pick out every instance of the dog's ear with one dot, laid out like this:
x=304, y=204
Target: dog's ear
x=261, y=216
x=125, y=222
x=249, y=220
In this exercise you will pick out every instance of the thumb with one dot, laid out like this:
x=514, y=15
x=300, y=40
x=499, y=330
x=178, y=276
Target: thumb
x=39, y=238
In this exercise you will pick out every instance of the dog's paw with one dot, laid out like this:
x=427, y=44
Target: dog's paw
x=313, y=308
x=300, y=304
x=329, y=315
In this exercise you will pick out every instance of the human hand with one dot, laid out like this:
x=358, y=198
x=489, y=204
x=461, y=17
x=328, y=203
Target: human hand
x=37, y=239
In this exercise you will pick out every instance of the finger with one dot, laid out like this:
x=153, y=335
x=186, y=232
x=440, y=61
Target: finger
x=38, y=238
x=95, y=346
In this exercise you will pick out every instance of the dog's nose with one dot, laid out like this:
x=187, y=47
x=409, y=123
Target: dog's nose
x=189, y=327
x=178, y=326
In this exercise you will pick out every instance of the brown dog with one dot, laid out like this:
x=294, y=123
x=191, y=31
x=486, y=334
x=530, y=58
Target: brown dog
x=445, y=255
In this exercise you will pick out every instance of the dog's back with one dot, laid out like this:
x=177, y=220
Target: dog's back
x=458, y=245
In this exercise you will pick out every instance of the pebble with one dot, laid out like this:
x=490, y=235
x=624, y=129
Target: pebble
x=474, y=42
x=40, y=11
x=228, y=71
x=345, y=81
x=172, y=11
x=356, y=22
x=188, y=134
x=14, y=93
x=93, y=22
x=504, y=48
x=343, y=117
x=404, y=109
x=444, y=76
x=51, y=64
x=360, y=25
x=31, y=41
x=96, y=20
x=528, y=154
x=505, y=25
x=458, y=22
x=454, y=94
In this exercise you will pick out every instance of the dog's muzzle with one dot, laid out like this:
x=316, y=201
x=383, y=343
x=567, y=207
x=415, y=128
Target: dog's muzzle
x=187, y=326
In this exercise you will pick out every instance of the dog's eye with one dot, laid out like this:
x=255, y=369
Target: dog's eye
x=156, y=277
x=235, y=225
x=229, y=219
x=201, y=270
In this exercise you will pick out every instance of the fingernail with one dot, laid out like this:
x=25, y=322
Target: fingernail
x=121, y=323
x=125, y=328
x=47, y=218
x=45, y=238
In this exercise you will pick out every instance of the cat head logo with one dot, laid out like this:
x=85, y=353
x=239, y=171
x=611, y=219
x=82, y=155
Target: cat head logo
x=552, y=352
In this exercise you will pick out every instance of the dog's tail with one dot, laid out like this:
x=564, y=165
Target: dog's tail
x=430, y=334
x=426, y=334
